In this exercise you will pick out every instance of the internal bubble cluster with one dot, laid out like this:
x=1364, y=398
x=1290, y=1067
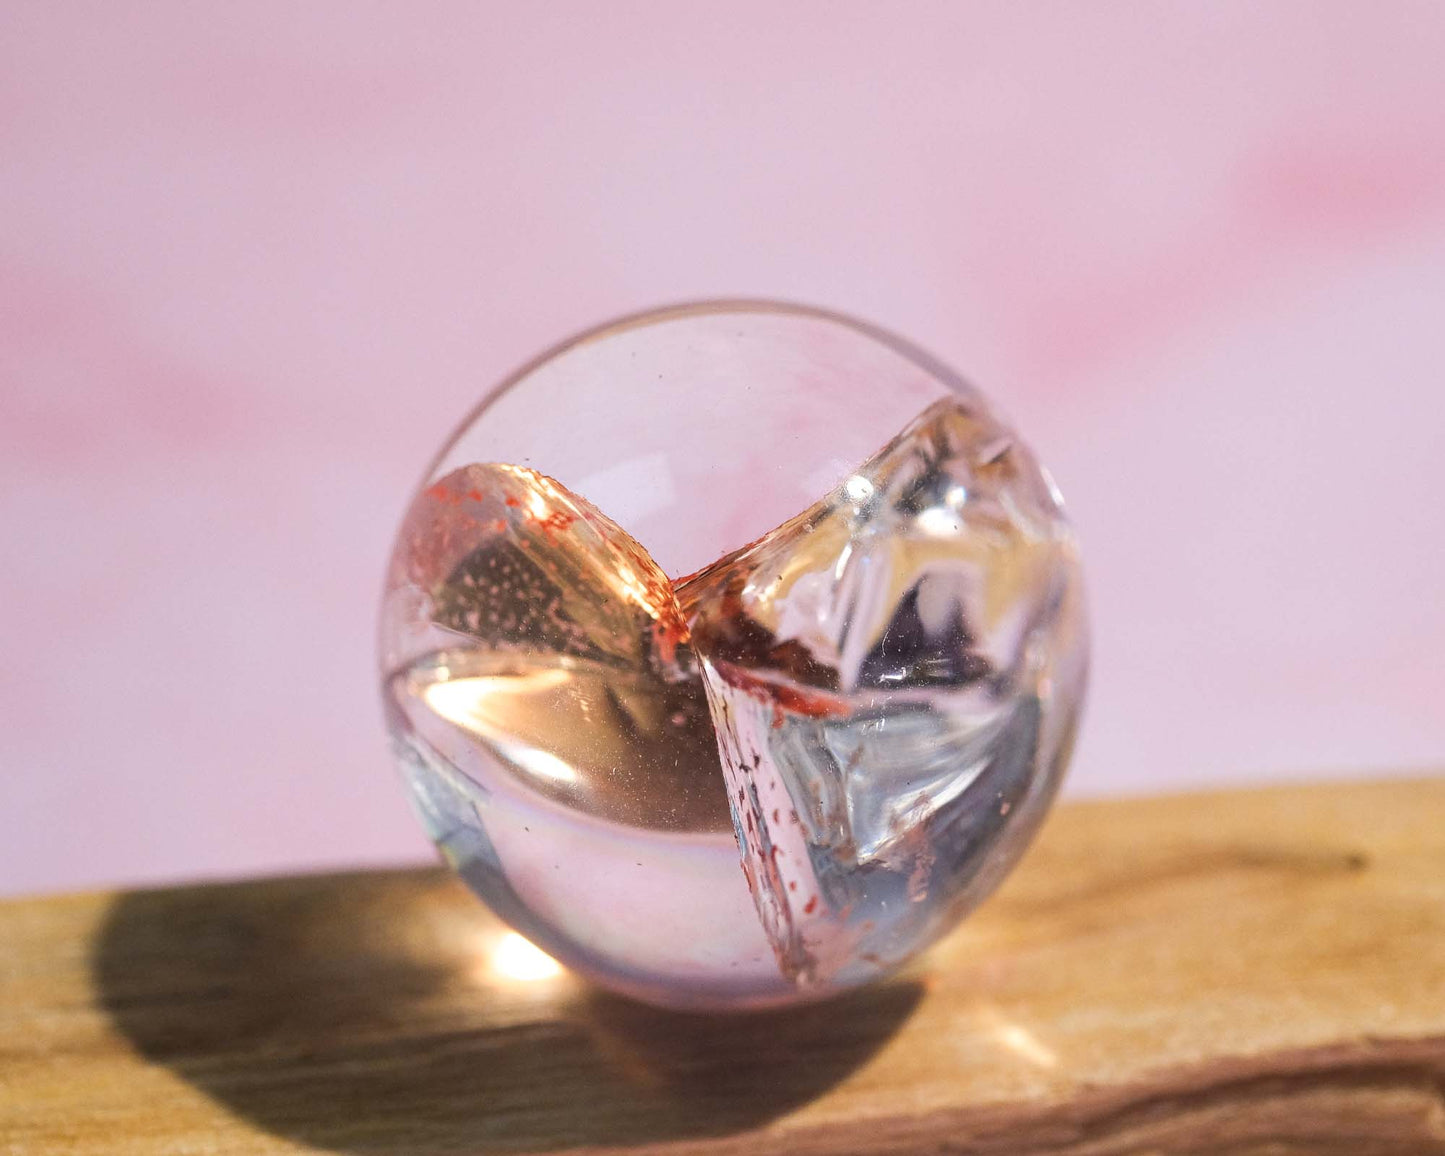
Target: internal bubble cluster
x=866, y=703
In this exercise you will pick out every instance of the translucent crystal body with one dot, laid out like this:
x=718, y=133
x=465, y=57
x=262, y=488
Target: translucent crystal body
x=867, y=707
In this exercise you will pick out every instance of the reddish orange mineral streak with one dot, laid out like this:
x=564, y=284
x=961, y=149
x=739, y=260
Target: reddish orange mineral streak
x=668, y=633
x=781, y=696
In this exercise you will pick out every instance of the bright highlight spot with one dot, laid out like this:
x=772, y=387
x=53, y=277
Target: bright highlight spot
x=541, y=763
x=940, y=522
x=517, y=959
x=1024, y=1043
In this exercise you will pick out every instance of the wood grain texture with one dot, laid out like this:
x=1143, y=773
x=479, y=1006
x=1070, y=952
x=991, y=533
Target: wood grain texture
x=1258, y=972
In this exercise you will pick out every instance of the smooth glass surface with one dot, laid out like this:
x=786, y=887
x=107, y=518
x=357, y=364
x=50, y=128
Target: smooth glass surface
x=745, y=719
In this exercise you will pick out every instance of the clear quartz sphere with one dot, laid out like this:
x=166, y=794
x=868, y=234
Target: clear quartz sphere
x=732, y=653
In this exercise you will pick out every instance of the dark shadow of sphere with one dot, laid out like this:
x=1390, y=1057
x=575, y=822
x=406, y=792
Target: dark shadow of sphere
x=346, y=1012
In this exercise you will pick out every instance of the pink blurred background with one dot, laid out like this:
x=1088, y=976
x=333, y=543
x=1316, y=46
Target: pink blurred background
x=257, y=259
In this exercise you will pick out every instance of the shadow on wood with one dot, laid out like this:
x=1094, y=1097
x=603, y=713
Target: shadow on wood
x=355, y=1013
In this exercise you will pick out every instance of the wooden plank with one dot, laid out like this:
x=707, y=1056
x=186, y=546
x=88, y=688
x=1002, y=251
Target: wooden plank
x=1256, y=972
